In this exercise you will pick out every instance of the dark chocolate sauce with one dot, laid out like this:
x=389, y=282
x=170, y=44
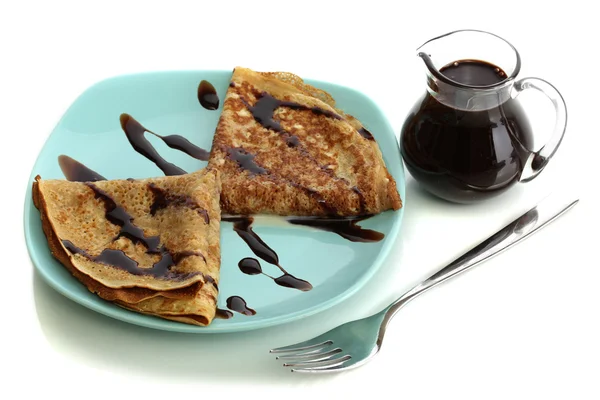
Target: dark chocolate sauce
x=135, y=134
x=117, y=258
x=251, y=266
x=264, y=109
x=464, y=155
x=237, y=304
x=346, y=227
x=325, y=206
x=473, y=73
x=180, y=143
x=361, y=199
x=120, y=217
x=292, y=140
x=223, y=314
x=245, y=160
x=243, y=227
x=75, y=171
x=111, y=257
x=162, y=199
x=365, y=133
x=207, y=95
x=290, y=281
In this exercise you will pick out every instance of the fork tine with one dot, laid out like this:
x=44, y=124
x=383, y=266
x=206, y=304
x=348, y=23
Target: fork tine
x=317, y=370
x=330, y=362
x=311, y=356
x=308, y=345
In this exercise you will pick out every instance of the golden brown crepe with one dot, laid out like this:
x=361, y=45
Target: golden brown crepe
x=283, y=148
x=150, y=245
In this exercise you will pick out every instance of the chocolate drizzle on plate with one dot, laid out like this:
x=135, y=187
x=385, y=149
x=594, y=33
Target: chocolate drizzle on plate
x=251, y=266
x=243, y=227
x=207, y=95
x=75, y=171
x=346, y=227
x=237, y=304
x=135, y=133
x=223, y=314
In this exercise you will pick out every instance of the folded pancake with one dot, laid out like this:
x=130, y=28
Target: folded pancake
x=150, y=244
x=283, y=148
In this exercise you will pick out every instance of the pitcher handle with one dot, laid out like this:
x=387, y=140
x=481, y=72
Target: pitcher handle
x=538, y=160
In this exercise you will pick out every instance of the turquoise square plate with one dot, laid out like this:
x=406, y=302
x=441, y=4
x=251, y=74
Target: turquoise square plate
x=167, y=103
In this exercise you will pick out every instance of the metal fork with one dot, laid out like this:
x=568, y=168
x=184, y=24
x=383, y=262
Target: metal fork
x=354, y=343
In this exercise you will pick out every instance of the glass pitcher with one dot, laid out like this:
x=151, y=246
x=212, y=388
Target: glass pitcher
x=468, y=138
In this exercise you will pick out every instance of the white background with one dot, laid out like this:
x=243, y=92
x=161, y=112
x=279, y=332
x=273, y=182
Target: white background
x=522, y=326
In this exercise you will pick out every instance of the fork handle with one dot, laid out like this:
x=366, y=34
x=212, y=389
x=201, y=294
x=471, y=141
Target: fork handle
x=530, y=222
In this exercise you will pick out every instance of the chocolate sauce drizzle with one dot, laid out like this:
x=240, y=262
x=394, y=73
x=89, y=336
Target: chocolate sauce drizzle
x=243, y=227
x=265, y=107
x=346, y=227
x=251, y=266
x=162, y=199
x=207, y=95
x=237, y=304
x=223, y=314
x=366, y=134
x=263, y=112
x=245, y=160
x=135, y=133
x=120, y=217
x=117, y=258
x=75, y=171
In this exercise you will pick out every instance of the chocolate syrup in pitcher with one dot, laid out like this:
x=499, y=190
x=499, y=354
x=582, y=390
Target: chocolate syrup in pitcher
x=463, y=155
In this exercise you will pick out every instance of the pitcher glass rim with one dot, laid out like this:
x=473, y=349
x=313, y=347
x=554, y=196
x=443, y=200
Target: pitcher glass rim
x=438, y=75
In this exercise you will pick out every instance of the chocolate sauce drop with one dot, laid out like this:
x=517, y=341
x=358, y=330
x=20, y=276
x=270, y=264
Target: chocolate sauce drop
x=237, y=304
x=207, y=95
x=75, y=171
x=346, y=227
x=290, y=281
x=223, y=314
x=251, y=266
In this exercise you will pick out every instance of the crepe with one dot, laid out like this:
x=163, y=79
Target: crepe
x=151, y=245
x=283, y=148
